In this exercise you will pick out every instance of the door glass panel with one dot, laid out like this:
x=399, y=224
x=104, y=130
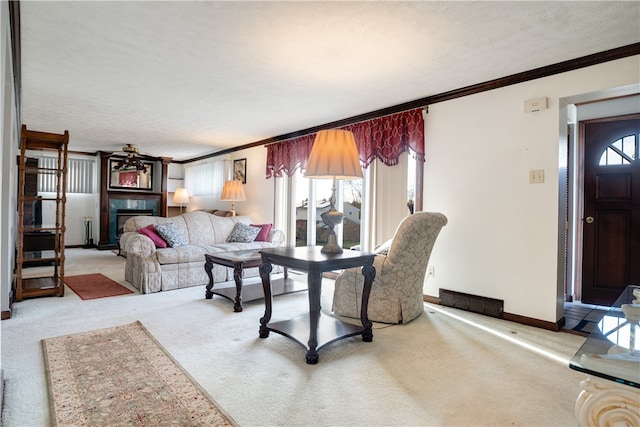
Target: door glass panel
x=323, y=193
x=411, y=184
x=301, y=201
x=352, y=206
x=621, y=152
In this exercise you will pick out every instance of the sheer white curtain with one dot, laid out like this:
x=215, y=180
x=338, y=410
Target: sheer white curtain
x=390, y=206
x=206, y=178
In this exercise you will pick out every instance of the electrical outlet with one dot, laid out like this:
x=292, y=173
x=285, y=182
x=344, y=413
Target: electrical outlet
x=431, y=271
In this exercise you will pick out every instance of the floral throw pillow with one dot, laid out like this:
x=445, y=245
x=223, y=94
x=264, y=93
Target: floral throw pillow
x=243, y=233
x=171, y=235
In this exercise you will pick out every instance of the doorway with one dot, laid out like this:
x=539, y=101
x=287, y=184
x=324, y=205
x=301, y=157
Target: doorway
x=611, y=207
x=610, y=105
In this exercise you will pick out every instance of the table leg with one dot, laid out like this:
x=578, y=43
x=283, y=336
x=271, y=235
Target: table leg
x=314, y=281
x=208, y=266
x=607, y=403
x=265, y=273
x=369, y=273
x=237, y=276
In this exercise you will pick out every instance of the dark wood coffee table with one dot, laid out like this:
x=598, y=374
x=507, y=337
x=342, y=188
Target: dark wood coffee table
x=314, y=331
x=239, y=260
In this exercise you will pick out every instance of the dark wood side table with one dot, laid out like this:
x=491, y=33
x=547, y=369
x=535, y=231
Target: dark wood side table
x=320, y=329
x=239, y=260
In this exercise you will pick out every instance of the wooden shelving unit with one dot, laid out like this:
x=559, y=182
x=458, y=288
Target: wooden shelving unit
x=40, y=243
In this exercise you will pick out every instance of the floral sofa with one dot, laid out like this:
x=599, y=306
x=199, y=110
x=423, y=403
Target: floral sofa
x=152, y=268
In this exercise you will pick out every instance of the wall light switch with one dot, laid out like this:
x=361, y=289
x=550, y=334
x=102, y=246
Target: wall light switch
x=536, y=176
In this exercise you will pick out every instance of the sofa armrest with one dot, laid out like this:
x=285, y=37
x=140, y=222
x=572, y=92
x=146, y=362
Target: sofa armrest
x=136, y=243
x=276, y=237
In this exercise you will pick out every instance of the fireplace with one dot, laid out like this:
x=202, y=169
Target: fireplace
x=122, y=215
x=116, y=202
x=121, y=208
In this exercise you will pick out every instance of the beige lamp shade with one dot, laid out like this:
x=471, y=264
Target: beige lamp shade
x=181, y=196
x=334, y=155
x=233, y=191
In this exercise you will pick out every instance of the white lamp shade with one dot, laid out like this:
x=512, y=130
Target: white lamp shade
x=233, y=191
x=181, y=196
x=334, y=155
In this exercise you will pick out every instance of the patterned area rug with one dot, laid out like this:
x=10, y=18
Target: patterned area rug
x=122, y=376
x=92, y=286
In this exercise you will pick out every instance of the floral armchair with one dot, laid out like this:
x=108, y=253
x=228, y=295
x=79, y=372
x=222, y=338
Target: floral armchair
x=401, y=265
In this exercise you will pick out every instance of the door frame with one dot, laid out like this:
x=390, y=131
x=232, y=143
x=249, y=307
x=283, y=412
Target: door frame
x=571, y=184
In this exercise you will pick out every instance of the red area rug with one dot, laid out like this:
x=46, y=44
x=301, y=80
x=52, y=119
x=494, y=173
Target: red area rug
x=92, y=286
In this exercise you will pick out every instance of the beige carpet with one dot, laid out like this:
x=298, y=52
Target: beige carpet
x=122, y=376
x=446, y=368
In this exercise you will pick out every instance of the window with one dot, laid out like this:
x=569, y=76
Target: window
x=620, y=152
x=392, y=186
x=372, y=207
x=206, y=178
x=80, y=176
x=312, y=199
x=352, y=210
x=412, y=181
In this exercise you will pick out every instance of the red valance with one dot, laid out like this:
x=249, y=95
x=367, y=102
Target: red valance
x=385, y=138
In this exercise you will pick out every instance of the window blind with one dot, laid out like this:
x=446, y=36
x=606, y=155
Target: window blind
x=80, y=176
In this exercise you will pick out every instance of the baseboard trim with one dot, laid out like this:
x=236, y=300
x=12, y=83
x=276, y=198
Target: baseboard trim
x=530, y=321
x=523, y=320
x=432, y=300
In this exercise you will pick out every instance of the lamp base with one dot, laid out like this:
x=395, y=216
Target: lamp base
x=331, y=247
x=332, y=218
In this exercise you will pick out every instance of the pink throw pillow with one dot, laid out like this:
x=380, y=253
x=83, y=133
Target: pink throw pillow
x=150, y=232
x=263, y=235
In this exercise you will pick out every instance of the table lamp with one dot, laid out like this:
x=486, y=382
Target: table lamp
x=181, y=196
x=333, y=156
x=233, y=191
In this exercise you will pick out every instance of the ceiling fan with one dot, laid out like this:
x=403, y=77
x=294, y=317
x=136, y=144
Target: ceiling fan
x=131, y=161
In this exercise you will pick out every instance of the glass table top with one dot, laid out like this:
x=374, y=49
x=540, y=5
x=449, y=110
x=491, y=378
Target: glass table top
x=239, y=256
x=612, y=350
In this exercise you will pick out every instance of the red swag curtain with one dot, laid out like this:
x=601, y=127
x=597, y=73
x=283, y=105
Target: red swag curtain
x=385, y=138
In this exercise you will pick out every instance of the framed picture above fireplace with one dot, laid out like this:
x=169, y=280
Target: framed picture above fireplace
x=131, y=178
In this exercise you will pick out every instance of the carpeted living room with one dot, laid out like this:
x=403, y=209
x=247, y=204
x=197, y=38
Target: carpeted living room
x=438, y=199
x=446, y=368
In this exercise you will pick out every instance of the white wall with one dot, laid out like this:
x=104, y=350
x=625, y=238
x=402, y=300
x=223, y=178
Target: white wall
x=502, y=237
x=259, y=191
x=77, y=207
x=8, y=168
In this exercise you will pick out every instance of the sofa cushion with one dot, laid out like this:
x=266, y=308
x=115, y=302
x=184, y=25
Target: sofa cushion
x=243, y=233
x=151, y=233
x=171, y=235
x=195, y=253
x=238, y=246
x=263, y=235
x=181, y=254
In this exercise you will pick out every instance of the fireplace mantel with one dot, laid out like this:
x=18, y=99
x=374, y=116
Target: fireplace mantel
x=112, y=200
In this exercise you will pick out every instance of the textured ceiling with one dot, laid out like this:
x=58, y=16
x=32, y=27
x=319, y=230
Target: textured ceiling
x=184, y=79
